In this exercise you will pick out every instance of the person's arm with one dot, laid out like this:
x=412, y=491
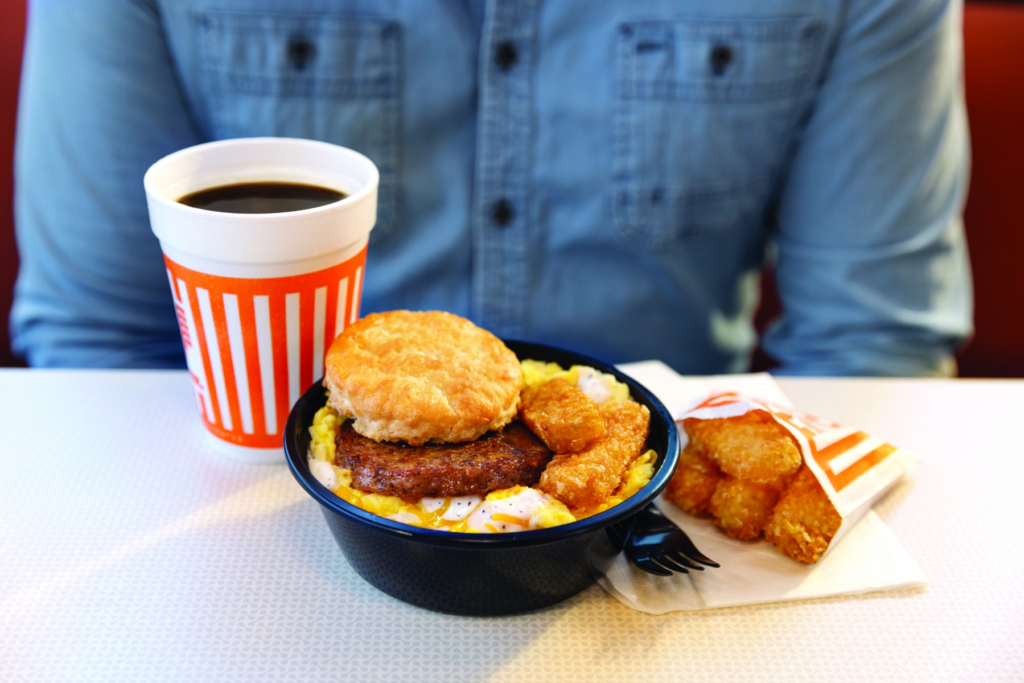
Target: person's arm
x=873, y=272
x=99, y=103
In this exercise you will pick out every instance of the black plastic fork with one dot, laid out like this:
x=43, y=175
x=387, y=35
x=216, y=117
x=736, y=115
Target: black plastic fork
x=657, y=546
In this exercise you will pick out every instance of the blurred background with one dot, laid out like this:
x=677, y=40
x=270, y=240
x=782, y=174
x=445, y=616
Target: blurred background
x=994, y=74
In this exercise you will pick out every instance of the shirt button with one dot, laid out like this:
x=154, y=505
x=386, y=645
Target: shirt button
x=502, y=213
x=721, y=57
x=505, y=55
x=300, y=52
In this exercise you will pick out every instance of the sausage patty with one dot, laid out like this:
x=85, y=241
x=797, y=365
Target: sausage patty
x=497, y=460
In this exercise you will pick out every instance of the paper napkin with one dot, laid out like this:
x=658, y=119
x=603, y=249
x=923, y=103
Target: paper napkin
x=869, y=558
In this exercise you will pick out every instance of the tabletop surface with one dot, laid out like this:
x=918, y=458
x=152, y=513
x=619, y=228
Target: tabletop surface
x=129, y=551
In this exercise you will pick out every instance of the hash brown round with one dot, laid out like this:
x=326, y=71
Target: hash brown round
x=422, y=377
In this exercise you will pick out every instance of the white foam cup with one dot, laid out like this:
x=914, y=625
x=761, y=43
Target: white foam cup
x=259, y=297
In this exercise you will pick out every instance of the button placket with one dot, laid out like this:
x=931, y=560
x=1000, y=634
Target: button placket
x=501, y=232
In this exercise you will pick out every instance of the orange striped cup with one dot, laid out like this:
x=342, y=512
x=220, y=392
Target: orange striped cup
x=259, y=297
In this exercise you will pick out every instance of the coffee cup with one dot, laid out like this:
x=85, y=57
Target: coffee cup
x=260, y=296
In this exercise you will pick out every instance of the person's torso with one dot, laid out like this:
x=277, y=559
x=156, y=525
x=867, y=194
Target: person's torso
x=596, y=175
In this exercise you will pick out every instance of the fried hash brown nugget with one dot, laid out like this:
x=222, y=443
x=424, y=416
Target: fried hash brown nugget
x=586, y=478
x=804, y=521
x=752, y=446
x=566, y=419
x=694, y=482
x=742, y=508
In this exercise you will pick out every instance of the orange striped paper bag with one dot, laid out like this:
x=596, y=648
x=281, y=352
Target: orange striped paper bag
x=854, y=469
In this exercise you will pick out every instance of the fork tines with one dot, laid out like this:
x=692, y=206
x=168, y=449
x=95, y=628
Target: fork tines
x=659, y=547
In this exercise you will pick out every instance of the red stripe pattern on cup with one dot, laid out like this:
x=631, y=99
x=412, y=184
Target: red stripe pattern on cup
x=254, y=345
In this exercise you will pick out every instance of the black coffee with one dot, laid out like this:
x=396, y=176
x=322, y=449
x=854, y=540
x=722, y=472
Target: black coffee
x=262, y=198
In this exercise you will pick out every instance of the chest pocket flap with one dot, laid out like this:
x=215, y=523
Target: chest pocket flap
x=703, y=113
x=335, y=79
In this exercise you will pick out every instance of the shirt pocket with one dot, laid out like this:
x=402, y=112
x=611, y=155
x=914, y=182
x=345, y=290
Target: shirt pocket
x=335, y=79
x=703, y=113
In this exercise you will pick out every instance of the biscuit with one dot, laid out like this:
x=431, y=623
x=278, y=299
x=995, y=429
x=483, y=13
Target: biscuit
x=422, y=377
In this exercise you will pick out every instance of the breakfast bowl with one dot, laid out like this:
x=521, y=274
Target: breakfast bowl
x=482, y=574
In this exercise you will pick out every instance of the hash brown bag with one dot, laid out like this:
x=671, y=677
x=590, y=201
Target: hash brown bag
x=853, y=468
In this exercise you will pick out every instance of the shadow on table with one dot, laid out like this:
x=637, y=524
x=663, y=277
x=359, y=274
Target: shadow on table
x=383, y=638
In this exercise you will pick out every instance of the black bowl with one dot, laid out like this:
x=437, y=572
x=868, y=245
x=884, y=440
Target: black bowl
x=480, y=574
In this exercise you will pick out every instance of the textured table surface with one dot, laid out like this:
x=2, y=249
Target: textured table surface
x=130, y=552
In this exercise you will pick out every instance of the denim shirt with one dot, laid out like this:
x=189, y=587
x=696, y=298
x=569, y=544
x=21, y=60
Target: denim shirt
x=604, y=176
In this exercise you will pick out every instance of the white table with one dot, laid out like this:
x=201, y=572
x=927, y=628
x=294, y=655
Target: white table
x=130, y=552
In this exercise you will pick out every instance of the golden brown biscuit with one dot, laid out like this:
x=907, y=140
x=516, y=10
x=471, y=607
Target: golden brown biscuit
x=586, y=478
x=422, y=377
x=752, y=446
x=565, y=418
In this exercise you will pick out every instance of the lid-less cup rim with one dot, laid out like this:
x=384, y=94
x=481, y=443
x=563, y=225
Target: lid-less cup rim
x=149, y=180
x=262, y=238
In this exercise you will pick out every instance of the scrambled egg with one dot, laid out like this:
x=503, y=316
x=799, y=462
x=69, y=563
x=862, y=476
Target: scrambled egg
x=599, y=386
x=519, y=508
x=513, y=509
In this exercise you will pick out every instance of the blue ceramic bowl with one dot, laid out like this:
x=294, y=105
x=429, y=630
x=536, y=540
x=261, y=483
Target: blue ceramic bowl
x=480, y=574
